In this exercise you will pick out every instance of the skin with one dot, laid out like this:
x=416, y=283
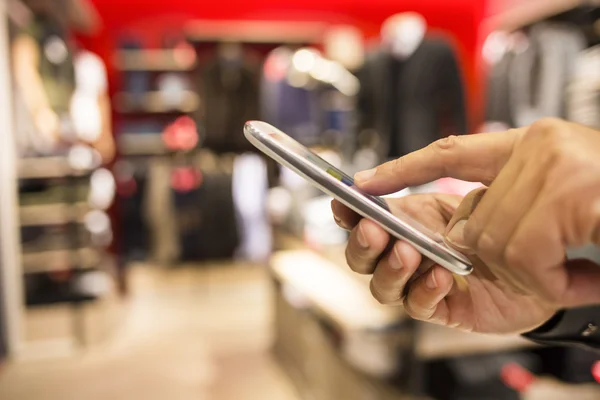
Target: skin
x=542, y=197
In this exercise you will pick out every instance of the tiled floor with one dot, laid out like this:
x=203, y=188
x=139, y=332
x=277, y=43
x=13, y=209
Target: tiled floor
x=190, y=333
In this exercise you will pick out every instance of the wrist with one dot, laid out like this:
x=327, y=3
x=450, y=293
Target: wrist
x=547, y=325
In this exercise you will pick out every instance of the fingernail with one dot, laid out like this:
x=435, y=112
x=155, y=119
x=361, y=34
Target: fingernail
x=361, y=238
x=365, y=175
x=456, y=236
x=394, y=260
x=431, y=283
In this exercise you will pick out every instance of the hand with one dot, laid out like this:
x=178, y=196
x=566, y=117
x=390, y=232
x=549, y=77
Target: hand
x=543, y=197
x=485, y=304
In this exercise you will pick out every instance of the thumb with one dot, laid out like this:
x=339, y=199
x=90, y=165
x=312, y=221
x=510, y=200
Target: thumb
x=454, y=234
x=583, y=285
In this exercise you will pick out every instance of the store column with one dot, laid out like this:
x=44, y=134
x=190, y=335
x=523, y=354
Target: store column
x=10, y=275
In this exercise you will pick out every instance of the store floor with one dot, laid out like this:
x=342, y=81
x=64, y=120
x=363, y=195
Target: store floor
x=190, y=333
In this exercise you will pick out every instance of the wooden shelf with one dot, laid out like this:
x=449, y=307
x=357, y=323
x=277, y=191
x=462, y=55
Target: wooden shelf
x=255, y=31
x=56, y=260
x=46, y=168
x=154, y=102
x=139, y=144
x=53, y=214
x=155, y=60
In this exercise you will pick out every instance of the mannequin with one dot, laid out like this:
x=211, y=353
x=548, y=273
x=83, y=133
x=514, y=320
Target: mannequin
x=402, y=34
x=411, y=90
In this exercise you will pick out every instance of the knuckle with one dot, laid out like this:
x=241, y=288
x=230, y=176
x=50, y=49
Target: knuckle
x=514, y=255
x=415, y=311
x=350, y=259
x=488, y=245
x=358, y=262
x=397, y=166
x=408, y=308
x=446, y=144
x=471, y=234
x=545, y=126
x=376, y=293
x=554, y=131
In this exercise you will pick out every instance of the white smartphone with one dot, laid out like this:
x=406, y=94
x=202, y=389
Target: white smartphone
x=339, y=185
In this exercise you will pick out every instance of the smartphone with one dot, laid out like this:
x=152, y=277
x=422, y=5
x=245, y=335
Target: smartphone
x=289, y=153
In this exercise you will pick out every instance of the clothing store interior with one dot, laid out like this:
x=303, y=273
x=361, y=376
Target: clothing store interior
x=149, y=251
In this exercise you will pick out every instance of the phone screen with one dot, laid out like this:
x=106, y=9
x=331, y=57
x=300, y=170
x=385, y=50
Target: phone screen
x=328, y=168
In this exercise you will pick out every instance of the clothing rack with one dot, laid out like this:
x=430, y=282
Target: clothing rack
x=525, y=13
x=69, y=213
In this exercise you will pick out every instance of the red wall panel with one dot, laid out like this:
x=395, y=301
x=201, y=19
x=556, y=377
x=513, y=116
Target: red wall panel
x=459, y=19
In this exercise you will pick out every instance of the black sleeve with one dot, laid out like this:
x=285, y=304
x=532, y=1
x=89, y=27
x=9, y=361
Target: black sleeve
x=579, y=327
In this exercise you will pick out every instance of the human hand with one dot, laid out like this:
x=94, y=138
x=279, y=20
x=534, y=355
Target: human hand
x=484, y=304
x=543, y=197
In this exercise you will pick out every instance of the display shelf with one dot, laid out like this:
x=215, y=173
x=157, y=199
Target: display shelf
x=53, y=214
x=346, y=298
x=255, y=31
x=155, y=60
x=342, y=298
x=56, y=260
x=155, y=102
x=139, y=144
x=63, y=299
x=47, y=168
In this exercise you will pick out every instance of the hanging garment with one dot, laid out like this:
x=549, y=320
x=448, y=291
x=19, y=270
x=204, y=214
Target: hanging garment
x=230, y=93
x=135, y=83
x=498, y=107
x=554, y=47
x=49, y=44
x=411, y=103
x=294, y=110
x=159, y=213
x=583, y=94
x=134, y=229
x=206, y=219
x=250, y=188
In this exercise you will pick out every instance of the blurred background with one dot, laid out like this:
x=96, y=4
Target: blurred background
x=148, y=251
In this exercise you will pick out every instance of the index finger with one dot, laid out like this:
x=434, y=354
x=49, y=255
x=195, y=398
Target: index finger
x=474, y=158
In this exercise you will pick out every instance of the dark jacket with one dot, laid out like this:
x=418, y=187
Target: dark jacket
x=580, y=326
x=230, y=98
x=411, y=103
